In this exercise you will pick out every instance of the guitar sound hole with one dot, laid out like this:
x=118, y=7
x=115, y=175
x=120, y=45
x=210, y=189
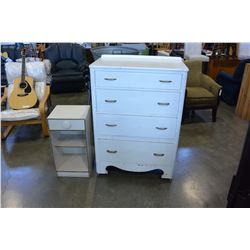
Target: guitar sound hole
x=28, y=89
x=23, y=85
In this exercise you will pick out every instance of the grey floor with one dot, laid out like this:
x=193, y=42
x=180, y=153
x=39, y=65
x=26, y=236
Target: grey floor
x=207, y=158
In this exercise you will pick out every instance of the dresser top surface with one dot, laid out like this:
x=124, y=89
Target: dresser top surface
x=70, y=112
x=140, y=62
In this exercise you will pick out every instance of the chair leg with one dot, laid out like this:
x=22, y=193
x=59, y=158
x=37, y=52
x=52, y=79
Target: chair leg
x=6, y=132
x=192, y=113
x=214, y=112
x=45, y=128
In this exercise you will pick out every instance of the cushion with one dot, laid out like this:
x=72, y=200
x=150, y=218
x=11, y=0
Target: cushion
x=18, y=115
x=66, y=64
x=200, y=97
x=24, y=114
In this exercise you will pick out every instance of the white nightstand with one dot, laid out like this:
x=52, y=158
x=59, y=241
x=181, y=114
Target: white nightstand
x=71, y=138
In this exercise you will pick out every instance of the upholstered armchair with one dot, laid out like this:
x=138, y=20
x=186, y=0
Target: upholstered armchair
x=202, y=91
x=231, y=83
x=68, y=67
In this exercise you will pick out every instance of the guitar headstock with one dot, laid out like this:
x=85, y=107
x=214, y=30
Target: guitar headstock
x=23, y=51
x=27, y=50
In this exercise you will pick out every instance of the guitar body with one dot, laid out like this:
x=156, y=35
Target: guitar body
x=23, y=95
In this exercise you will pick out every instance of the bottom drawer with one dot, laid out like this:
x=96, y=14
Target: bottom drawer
x=140, y=153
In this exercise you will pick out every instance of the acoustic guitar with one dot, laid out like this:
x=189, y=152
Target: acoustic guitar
x=23, y=95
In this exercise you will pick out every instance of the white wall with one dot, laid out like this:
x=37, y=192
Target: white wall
x=244, y=50
x=192, y=49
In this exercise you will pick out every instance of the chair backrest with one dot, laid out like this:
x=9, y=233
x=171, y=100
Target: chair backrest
x=65, y=52
x=238, y=73
x=194, y=74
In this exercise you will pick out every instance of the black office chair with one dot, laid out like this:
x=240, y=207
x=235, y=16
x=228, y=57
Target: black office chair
x=69, y=67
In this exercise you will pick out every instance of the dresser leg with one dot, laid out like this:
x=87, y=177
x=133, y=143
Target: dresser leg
x=166, y=176
x=101, y=169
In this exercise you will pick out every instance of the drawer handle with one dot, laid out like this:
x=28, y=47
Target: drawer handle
x=156, y=154
x=111, y=101
x=66, y=124
x=110, y=125
x=161, y=128
x=111, y=151
x=163, y=103
x=165, y=81
x=110, y=79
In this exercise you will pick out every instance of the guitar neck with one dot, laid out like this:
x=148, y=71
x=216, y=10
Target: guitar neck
x=23, y=68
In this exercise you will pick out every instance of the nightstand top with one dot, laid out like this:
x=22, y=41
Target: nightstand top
x=70, y=112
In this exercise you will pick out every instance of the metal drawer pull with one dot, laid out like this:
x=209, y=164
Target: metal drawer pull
x=109, y=79
x=111, y=101
x=156, y=154
x=111, y=125
x=165, y=81
x=161, y=128
x=111, y=151
x=163, y=103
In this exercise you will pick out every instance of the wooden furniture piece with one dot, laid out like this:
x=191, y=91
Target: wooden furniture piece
x=137, y=104
x=40, y=120
x=243, y=104
x=217, y=64
x=239, y=192
x=71, y=139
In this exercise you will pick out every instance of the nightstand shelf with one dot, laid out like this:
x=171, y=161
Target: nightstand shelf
x=66, y=138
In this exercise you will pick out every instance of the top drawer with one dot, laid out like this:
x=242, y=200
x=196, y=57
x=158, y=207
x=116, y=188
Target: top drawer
x=142, y=80
x=55, y=124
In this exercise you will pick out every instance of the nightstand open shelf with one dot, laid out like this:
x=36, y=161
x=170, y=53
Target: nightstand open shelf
x=66, y=138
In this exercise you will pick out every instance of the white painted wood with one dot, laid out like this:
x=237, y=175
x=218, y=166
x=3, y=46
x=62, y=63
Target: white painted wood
x=136, y=102
x=142, y=80
x=144, y=154
x=149, y=103
x=69, y=112
x=66, y=124
x=69, y=133
x=72, y=174
x=135, y=126
x=140, y=62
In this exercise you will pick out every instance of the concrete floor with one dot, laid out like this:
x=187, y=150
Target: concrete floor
x=207, y=158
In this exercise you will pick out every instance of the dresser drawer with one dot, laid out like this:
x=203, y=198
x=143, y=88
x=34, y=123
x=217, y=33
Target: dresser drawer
x=149, y=103
x=142, y=80
x=55, y=124
x=135, y=126
x=145, y=153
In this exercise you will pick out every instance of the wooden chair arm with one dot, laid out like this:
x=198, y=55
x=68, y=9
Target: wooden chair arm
x=44, y=100
x=5, y=95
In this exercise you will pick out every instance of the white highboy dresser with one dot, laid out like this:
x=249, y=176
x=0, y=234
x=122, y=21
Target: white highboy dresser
x=137, y=104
